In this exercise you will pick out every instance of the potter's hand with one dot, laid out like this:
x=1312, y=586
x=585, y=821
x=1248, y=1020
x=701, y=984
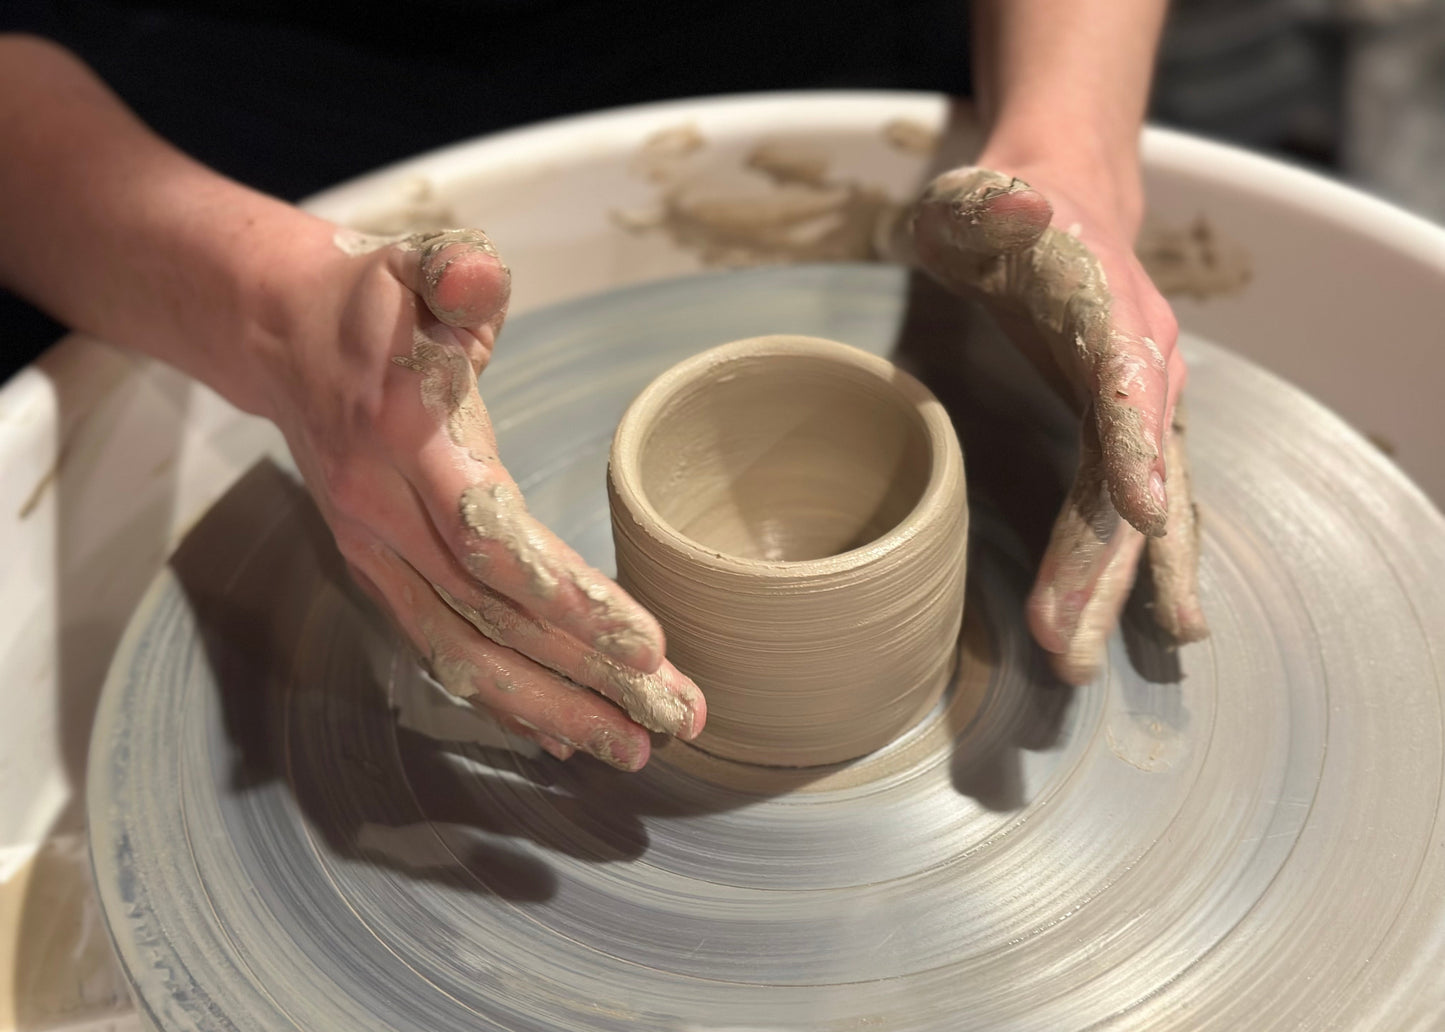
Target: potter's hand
x=1060, y=276
x=382, y=412
x=367, y=361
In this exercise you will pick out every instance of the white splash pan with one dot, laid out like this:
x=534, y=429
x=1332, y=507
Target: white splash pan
x=106, y=460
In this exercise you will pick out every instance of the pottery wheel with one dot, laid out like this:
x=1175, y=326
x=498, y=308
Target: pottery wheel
x=292, y=829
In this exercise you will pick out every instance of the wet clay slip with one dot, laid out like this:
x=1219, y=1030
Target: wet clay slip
x=793, y=512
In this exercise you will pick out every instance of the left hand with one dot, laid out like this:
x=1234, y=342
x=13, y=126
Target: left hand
x=374, y=384
x=1052, y=260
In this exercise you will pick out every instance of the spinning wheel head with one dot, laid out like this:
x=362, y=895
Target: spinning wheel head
x=1242, y=834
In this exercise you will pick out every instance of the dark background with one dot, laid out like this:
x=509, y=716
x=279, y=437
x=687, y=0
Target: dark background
x=295, y=97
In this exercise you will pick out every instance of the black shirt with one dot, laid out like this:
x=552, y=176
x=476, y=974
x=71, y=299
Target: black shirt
x=295, y=97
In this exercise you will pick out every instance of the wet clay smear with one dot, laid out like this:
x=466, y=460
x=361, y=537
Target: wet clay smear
x=779, y=204
x=1194, y=260
x=416, y=207
x=784, y=202
x=911, y=137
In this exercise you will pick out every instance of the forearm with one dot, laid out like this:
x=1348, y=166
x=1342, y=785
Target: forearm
x=115, y=232
x=1066, y=82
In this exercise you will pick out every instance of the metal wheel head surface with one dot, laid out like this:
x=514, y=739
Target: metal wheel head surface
x=292, y=829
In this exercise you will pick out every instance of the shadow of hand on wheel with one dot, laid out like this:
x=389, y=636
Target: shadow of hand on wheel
x=301, y=672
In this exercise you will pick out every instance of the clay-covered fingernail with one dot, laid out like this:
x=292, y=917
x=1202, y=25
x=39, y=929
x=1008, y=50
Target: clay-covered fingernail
x=691, y=703
x=693, y=711
x=698, y=708
x=1156, y=491
x=1136, y=500
x=464, y=280
x=988, y=212
x=618, y=750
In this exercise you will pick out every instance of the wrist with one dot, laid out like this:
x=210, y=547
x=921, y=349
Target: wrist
x=1100, y=167
x=281, y=263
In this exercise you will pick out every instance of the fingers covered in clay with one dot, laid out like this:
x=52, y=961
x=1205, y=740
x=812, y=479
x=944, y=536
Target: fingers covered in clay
x=1131, y=395
x=1090, y=563
x=1174, y=558
x=1083, y=653
x=1076, y=301
x=507, y=550
x=556, y=712
x=1086, y=575
x=1086, y=538
x=984, y=234
x=449, y=454
x=665, y=701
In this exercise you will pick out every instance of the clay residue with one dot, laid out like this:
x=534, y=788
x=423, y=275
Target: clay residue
x=448, y=390
x=1058, y=286
x=1149, y=745
x=432, y=245
x=647, y=698
x=1098, y=617
x=56, y=964
x=430, y=708
x=498, y=515
x=980, y=219
x=620, y=635
x=779, y=205
x=1193, y=260
x=663, y=155
x=1078, y=544
x=784, y=162
x=453, y=671
x=1174, y=561
x=494, y=618
x=417, y=209
x=1130, y=455
x=782, y=204
x=911, y=137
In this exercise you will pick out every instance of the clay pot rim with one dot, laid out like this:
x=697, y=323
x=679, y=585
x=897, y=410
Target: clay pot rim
x=945, y=454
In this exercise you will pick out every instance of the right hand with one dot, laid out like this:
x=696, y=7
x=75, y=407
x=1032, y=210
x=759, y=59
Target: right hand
x=1056, y=268
x=376, y=393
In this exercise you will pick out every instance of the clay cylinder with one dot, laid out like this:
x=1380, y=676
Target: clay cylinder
x=793, y=511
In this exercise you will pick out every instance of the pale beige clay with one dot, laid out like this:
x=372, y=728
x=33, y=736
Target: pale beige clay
x=793, y=512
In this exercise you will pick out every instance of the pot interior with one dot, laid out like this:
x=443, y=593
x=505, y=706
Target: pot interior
x=785, y=458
